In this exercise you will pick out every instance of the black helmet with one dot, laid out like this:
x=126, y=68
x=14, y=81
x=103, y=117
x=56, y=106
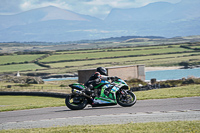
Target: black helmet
x=102, y=70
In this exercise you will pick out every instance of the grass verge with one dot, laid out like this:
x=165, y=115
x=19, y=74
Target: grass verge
x=175, y=92
x=10, y=103
x=151, y=127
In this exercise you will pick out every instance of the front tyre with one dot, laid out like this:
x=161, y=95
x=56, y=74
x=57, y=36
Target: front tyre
x=126, y=98
x=75, y=102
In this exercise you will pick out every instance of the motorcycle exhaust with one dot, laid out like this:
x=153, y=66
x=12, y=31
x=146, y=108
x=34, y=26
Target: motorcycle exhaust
x=75, y=91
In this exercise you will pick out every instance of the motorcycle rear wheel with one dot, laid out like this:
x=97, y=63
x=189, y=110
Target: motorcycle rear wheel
x=126, y=100
x=74, y=102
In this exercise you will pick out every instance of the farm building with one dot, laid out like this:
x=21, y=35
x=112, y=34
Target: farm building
x=123, y=72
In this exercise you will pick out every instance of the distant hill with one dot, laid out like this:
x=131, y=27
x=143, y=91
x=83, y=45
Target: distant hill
x=159, y=11
x=40, y=15
x=52, y=24
x=125, y=38
x=45, y=24
x=153, y=11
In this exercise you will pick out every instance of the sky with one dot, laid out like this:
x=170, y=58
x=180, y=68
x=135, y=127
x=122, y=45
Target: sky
x=96, y=8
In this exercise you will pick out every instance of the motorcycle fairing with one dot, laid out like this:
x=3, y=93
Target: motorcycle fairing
x=114, y=89
x=107, y=99
x=102, y=100
x=77, y=86
x=101, y=83
x=121, y=84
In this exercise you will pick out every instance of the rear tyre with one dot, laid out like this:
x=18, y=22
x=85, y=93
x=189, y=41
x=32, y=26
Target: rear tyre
x=126, y=99
x=75, y=102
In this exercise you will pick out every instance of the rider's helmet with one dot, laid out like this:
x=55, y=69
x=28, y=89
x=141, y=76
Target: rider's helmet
x=102, y=70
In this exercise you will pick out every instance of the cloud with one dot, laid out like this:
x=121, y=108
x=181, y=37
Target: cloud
x=32, y=4
x=9, y=6
x=97, y=8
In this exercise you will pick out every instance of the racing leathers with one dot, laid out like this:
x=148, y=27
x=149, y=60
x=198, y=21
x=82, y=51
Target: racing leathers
x=94, y=80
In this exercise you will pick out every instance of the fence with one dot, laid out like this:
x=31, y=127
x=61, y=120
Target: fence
x=150, y=87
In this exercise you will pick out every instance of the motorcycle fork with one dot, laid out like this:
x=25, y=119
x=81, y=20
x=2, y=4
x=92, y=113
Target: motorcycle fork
x=124, y=93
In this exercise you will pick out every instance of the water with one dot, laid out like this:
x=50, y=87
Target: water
x=159, y=75
x=173, y=74
x=57, y=79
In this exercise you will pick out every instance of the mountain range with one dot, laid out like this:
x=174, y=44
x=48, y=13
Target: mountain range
x=52, y=24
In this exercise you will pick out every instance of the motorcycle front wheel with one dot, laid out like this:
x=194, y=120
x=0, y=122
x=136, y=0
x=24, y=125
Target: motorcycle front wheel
x=74, y=102
x=126, y=98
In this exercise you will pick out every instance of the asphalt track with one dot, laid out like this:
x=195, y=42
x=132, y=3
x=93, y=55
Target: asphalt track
x=157, y=110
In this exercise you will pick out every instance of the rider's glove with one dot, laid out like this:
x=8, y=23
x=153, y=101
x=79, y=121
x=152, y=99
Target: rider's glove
x=97, y=81
x=111, y=78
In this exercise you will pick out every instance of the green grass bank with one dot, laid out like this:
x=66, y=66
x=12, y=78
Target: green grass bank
x=151, y=127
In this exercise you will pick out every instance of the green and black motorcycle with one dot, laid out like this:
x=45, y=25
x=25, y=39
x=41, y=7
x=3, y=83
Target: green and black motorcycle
x=103, y=94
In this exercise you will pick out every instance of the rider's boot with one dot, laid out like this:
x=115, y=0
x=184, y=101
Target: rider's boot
x=88, y=89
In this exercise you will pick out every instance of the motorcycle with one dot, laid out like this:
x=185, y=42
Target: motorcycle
x=103, y=94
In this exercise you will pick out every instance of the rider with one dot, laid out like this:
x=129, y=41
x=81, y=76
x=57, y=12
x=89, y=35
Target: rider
x=95, y=79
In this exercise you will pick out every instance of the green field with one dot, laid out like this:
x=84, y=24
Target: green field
x=18, y=58
x=117, y=49
x=19, y=67
x=166, y=55
x=112, y=54
x=195, y=47
x=162, y=59
x=71, y=61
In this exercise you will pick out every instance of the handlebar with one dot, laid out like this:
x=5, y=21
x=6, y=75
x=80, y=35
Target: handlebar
x=114, y=78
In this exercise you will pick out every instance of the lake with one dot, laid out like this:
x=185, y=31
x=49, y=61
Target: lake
x=173, y=74
x=57, y=79
x=159, y=75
